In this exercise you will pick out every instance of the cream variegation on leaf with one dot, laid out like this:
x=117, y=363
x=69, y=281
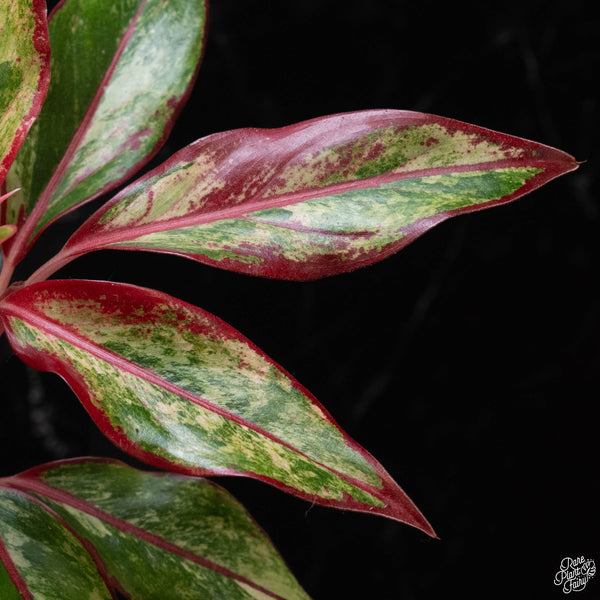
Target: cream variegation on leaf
x=121, y=73
x=103, y=526
x=24, y=73
x=317, y=198
x=178, y=388
x=164, y=380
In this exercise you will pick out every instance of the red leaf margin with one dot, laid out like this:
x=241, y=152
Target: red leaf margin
x=41, y=43
x=20, y=304
x=31, y=484
x=19, y=245
x=178, y=104
x=283, y=144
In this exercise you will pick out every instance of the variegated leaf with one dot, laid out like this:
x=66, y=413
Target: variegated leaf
x=120, y=74
x=24, y=72
x=40, y=557
x=6, y=232
x=317, y=198
x=180, y=389
x=81, y=528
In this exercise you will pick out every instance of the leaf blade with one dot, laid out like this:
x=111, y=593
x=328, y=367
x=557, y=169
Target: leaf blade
x=115, y=93
x=6, y=232
x=37, y=545
x=160, y=534
x=177, y=387
x=24, y=73
x=318, y=198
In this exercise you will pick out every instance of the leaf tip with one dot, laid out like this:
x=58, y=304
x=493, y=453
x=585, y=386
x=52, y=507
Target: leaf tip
x=413, y=516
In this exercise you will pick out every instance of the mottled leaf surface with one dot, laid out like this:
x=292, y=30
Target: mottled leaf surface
x=177, y=387
x=321, y=197
x=120, y=74
x=40, y=556
x=81, y=528
x=24, y=72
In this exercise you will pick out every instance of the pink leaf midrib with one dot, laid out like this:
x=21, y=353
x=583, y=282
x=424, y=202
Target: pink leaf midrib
x=42, y=46
x=43, y=201
x=91, y=110
x=12, y=483
x=13, y=573
x=34, y=483
x=89, y=240
x=111, y=357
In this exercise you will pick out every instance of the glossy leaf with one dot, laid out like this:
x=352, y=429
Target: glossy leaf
x=41, y=558
x=180, y=389
x=81, y=528
x=318, y=198
x=24, y=72
x=120, y=74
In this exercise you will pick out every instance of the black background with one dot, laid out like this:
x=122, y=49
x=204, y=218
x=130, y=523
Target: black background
x=468, y=364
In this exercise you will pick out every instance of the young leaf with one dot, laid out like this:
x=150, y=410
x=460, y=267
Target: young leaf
x=80, y=528
x=24, y=72
x=121, y=72
x=178, y=388
x=6, y=232
x=318, y=198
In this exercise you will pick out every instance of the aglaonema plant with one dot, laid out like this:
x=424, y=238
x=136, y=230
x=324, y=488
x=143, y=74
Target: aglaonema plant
x=167, y=382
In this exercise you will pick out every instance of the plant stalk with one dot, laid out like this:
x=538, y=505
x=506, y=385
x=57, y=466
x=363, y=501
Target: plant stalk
x=5, y=274
x=50, y=267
